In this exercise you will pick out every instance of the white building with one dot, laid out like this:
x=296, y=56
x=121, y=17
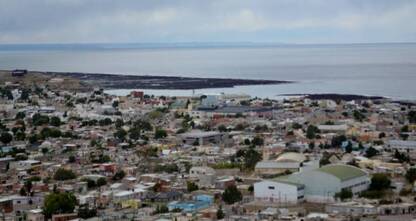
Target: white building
x=279, y=191
x=401, y=145
x=323, y=183
x=314, y=185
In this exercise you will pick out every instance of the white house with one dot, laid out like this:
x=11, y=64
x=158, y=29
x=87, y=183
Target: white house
x=279, y=191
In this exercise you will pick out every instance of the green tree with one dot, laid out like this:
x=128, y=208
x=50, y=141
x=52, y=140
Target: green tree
x=134, y=133
x=311, y=132
x=143, y=125
x=191, y=186
x=56, y=203
x=20, y=115
x=380, y=181
x=6, y=137
x=119, y=123
x=105, y=122
x=344, y=194
x=120, y=134
x=64, y=174
x=412, y=116
x=161, y=209
x=251, y=189
x=358, y=115
x=411, y=175
x=220, y=213
x=348, y=148
x=24, y=95
x=119, y=175
x=257, y=141
x=231, y=195
x=160, y=133
x=85, y=213
x=55, y=121
x=38, y=119
x=296, y=126
x=222, y=128
x=338, y=140
x=251, y=158
x=71, y=159
x=101, y=181
x=371, y=152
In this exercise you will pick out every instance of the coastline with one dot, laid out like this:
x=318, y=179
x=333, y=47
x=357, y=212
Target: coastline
x=335, y=96
x=120, y=81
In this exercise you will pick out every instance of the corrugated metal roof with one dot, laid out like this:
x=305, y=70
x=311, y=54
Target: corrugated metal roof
x=343, y=172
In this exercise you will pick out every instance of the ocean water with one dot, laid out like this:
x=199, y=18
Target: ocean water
x=369, y=69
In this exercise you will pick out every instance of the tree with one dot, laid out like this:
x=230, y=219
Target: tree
x=222, y=128
x=38, y=119
x=71, y=159
x=119, y=175
x=56, y=203
x=115, y=104
x=64, y=174
x=160, y=133
x=143, y=125
x=251, y=158
x=28, y=186
x=119, y=123
x=6, y=137
x=85, y=213
x=412, y=116
x=358, y=115
x=380, y=181
x=348, y=148
x=311, y=131
x=101, y=181
x=260, y=128
x=161, y=209
x=251, y=189
x=344, y=194
x=231, y=195
x=220, y=213
x=401, y=157
x=296, y=126
x=381, y=135
x=411, y=175
x=55, y=121
x=20, y=115
x=191, y=186
x=338, y=140
x=24, y=95
x=22, y=191
x=105, y=122
x=134, y=133
x=120, y=134
x=371, y=152
x=257, y=141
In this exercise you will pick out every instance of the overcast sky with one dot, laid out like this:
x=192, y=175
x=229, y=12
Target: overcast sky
x=281, y=21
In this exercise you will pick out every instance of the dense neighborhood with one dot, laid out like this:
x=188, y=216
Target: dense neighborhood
x=88, y=155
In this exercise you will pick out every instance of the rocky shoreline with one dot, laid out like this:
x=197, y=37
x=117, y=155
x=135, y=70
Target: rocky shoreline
x=332, y=96
x=114, y=81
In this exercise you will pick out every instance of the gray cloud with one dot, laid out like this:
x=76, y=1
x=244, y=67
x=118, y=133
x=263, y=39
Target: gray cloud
x=300, y=21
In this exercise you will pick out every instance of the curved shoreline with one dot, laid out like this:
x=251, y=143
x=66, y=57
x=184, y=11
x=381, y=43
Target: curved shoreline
x=335, y=96
x=115, y=81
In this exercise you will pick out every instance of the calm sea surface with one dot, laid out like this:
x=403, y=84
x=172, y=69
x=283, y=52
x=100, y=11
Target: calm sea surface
x=369, y=69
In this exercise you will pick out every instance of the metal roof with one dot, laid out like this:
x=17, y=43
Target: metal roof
x=343, y=172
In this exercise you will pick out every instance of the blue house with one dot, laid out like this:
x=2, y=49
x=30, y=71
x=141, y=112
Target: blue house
x=200, y=202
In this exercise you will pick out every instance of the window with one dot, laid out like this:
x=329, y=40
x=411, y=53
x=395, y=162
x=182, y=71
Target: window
x=271, y=187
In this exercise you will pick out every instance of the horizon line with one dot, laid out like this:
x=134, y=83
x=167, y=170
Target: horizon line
x=224, y=43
